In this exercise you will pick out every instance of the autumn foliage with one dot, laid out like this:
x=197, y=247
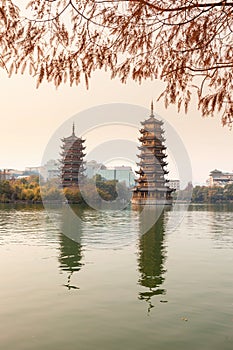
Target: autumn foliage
x=185, y=43
x=29, y=190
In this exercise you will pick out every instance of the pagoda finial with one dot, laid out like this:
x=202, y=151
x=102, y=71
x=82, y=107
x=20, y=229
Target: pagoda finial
x=152, y=108
x=73, y=133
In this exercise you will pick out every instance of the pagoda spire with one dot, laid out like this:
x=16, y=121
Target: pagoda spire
x=73, y=128
x=152, y=108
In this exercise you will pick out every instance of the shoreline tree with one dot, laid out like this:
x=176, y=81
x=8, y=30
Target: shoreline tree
x=187, y=44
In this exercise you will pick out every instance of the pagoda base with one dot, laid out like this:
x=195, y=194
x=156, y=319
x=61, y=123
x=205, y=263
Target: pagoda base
x=151, y=201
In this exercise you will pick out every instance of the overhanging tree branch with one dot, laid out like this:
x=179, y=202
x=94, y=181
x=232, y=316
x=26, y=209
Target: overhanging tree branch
x=174, y=41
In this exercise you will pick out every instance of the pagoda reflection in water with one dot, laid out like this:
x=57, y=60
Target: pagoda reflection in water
x=151, y=259
x=70, y=243
x=70, y=259
x=151, y=251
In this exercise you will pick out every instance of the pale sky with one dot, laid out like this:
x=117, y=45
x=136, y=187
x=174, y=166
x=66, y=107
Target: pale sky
x=29, y=117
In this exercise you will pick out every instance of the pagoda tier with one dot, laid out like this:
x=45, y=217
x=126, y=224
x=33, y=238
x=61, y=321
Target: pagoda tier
x=144, y=192
x=72, y=164
x=146, y=164
x=154, y=122
x=77, y=146
x=67, y=159
x=71, y=139
x=146, y=179
x=151, y=185
x=150, y=156
x=151, y=146
x=68, y=171
x=153, y=135
x=151, y=178
x=159, y=171
x=72, y=153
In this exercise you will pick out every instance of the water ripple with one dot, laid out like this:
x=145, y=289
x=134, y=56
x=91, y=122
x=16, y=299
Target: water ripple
x=211, y=222
x=29, y=227
x=109, y=229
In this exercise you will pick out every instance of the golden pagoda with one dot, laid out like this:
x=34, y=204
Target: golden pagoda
x=151, y=186
x=72, y=169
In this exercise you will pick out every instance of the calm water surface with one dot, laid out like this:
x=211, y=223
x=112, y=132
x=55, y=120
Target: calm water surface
x=116, y=289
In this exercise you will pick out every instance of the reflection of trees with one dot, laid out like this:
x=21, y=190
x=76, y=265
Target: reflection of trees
x=70, y=258
x=151, y=262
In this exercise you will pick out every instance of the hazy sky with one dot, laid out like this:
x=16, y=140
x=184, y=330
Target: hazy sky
x=29, y=117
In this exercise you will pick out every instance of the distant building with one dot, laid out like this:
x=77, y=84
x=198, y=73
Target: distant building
x=125, y=174
x=16, y=173
x=119, y=173
x=32, y=170
x=10, y=174
x=175, y=184
x=20, y=177
x=92, y=168
x=219, y=178
x=51, y=170
x=5, y=175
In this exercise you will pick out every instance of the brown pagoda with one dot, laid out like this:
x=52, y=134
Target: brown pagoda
x=72, y=164
x=151, y=186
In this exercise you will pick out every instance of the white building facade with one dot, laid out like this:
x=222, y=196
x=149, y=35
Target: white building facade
x=219, y=178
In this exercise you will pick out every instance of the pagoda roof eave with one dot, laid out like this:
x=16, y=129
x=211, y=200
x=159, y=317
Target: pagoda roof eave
x=69, y=138
x=153, y=120
x=72, y=138
x=153, y=189
x=156, y=165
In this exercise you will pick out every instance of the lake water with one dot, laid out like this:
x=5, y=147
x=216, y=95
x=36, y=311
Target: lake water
x=116, y=289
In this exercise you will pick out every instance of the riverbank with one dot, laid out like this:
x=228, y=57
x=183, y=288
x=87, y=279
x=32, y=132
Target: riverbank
x=30, y=191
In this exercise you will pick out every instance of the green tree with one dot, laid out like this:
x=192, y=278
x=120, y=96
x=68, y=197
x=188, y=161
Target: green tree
x=200, y=194
x=5, y=190
x=175, y=41
x=51, y=194
x=228, y=192
x=73, y=194
x=106, y=188
x=216, y=194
